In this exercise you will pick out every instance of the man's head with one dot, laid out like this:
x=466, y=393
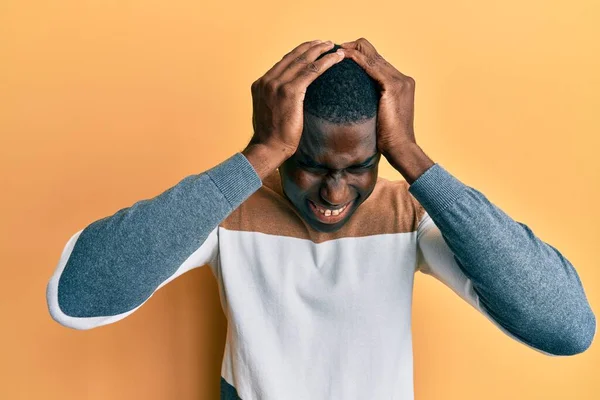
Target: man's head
x=337, y=160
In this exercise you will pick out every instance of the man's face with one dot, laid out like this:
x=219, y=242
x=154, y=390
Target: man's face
x=334, y=167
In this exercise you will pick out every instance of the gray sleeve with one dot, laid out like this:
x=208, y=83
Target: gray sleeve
x=111, y=267
x=526, y=286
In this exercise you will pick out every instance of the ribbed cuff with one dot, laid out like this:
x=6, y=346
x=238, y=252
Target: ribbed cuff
x=436, y=189
x=236, y=178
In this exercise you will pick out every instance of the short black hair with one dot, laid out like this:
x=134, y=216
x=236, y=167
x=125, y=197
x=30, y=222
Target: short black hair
x=343, y=94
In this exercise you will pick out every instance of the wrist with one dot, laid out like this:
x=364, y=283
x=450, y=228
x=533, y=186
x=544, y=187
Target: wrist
x=265, y=159
x=410, y=160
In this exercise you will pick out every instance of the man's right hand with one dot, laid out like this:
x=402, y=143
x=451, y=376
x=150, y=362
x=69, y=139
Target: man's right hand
x=278, y=104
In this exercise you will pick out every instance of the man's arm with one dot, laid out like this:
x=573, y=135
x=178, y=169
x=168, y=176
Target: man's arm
x=498, y=264
x=114, y=265
x=524, y=285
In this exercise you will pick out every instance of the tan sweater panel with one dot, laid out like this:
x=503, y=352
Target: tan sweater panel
x=389, y=209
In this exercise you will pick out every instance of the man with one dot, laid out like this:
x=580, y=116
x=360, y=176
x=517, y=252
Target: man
x=314, y=254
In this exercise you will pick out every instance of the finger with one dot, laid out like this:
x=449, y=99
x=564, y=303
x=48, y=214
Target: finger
x=281, y=65
x=348, y=45
x=374, y=65
x=363, y=46
x=312, y=71
x=305, y=60
x=360, y=44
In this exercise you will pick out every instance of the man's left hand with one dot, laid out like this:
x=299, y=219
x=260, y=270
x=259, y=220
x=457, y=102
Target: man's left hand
x=395, y=117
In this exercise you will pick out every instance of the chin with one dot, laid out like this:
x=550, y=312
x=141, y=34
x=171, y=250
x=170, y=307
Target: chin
x=328, y=228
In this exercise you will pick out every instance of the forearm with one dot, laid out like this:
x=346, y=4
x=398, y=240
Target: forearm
x=523, y=283
x=118, y=261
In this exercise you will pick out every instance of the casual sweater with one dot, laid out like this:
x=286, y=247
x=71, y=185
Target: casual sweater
x=314, y=315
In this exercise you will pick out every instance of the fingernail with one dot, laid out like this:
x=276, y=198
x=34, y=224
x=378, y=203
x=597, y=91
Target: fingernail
x=340, y=52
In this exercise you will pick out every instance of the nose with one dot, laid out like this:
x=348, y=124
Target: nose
x=334, y=191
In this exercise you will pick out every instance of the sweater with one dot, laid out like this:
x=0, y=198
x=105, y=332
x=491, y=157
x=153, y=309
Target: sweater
x=314, y=315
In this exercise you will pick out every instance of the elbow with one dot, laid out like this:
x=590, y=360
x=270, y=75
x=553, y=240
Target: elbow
x=583, y=339
x=58, y=314
x=72, y=314
x=575, y=338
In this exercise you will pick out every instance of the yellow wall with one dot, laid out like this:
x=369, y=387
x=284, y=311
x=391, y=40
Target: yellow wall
x=103, y=103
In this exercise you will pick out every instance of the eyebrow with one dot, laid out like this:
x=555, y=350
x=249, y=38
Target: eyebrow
x=312, y=162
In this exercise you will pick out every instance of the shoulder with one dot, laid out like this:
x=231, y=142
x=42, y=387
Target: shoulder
x=390, y=208
x=267, y=210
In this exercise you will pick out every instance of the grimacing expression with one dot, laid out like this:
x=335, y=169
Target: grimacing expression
x=333, y=171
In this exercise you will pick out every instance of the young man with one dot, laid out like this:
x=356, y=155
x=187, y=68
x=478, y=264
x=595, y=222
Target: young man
x=314, y=254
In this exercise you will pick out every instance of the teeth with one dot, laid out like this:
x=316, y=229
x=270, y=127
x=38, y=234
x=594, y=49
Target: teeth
x=328, y=213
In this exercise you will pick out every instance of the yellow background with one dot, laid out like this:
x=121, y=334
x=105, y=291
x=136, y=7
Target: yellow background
x=103, y=103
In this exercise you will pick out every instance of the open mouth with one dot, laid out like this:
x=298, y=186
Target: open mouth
x=328, y=215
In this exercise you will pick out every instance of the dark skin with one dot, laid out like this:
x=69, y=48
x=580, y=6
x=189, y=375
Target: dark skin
x=334, y=165
x=285, y=136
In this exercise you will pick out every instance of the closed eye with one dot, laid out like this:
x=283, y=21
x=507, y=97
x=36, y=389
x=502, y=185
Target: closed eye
x=309, y=166
x=314, y=167
x=360, y=167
